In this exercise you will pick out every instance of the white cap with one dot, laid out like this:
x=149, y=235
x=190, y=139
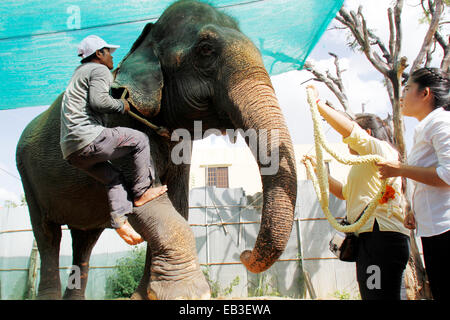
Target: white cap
x=92, y=43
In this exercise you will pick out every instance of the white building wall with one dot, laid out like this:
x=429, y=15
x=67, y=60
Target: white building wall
x=242, y=167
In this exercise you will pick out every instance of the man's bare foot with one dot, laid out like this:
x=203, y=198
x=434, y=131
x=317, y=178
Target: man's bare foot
x=127, y=233
x=149, y=195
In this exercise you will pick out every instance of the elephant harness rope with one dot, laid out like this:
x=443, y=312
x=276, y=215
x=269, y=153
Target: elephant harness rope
x=159, y=130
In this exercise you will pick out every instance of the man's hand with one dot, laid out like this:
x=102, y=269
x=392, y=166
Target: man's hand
x=389, y=169
x=126, y=105
x=164, y=132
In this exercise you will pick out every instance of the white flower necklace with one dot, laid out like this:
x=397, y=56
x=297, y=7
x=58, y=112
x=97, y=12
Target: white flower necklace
x=320, y=180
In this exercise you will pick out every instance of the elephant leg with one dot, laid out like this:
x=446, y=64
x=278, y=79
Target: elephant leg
x=175, y=271
x=141, y=290
x=83, y=242
x=48, y=239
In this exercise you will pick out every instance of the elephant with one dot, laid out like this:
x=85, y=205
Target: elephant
x=192, y=64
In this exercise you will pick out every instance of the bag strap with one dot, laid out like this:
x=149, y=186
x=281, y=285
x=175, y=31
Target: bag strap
x=345, y=219
x=362, y=213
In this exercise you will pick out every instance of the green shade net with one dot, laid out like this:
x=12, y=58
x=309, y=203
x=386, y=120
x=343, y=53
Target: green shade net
x=38, y=39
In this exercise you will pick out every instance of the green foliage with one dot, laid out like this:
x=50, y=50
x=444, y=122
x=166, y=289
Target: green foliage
x=23, y=201
x=263, y=287
x=227, y=291
x=426, y=15
x=216, y=290
x=343, y=295
x=214, y=285
x=12, y=204
x=126, y=276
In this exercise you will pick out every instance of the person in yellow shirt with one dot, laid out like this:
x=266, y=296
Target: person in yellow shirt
x=383, y=246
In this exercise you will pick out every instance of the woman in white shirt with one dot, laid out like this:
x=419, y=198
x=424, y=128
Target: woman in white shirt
x=426, y=97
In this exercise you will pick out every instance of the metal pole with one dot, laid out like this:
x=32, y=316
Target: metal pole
x=206, y=217
x=240, y=225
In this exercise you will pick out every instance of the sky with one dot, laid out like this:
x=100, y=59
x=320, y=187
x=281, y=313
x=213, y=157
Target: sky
x=362, y=82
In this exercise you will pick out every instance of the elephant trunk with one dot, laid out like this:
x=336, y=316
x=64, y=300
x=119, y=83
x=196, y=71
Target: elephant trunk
x=257, y=109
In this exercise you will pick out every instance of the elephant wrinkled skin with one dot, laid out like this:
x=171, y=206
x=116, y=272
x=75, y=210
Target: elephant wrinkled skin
x=193, y=64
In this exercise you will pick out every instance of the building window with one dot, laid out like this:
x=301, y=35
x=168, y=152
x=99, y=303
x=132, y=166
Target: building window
x=218, y=177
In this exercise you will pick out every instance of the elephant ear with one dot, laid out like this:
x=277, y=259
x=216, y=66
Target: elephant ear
x=148, y=27
x=140, y=73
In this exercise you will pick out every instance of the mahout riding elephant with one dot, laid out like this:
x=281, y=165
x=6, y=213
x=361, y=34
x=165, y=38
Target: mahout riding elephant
x=193, y=64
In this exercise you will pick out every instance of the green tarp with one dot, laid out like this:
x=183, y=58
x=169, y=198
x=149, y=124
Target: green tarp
x=38, y=39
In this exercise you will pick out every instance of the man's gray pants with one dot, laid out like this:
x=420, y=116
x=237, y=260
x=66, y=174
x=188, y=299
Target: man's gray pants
x=111, y=144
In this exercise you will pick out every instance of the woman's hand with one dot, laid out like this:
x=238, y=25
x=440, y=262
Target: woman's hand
x=336, y=119
x=315, y=93
x=389, y=169
x=334, y=185
x=410, y=221
x=425, y=175
x=312, y=159
x=313, y=162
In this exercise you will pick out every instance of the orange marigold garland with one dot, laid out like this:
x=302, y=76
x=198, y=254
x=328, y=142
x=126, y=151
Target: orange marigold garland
x=387, y=195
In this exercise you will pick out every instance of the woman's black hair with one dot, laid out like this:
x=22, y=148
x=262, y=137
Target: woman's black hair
x=380, y=129
x=439, y=83
x=92, y=56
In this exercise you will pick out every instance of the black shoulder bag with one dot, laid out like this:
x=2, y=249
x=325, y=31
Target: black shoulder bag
x=345, y=245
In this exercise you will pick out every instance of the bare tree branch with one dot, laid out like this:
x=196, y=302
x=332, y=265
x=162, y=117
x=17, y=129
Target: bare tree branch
x=390, y=89
x=391, y=31
x=429, y=55
x=386, y=53
x=445, y=45
x=428, y=40
x=445, y=65
x=396, y=114
x=333, y=83
x=338, y=80
x=398, y=8
x=357, y=26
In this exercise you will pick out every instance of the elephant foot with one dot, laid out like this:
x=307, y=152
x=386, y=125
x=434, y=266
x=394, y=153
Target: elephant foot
x=193, y=288
x=139, y=294
x=73, y=295
x=48, y=294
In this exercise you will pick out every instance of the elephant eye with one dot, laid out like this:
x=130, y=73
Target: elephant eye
x=206, y=57
x=206, y=49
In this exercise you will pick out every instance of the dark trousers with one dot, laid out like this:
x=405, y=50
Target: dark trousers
x=382, y=258
x=436, y=254
x=111, y=144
